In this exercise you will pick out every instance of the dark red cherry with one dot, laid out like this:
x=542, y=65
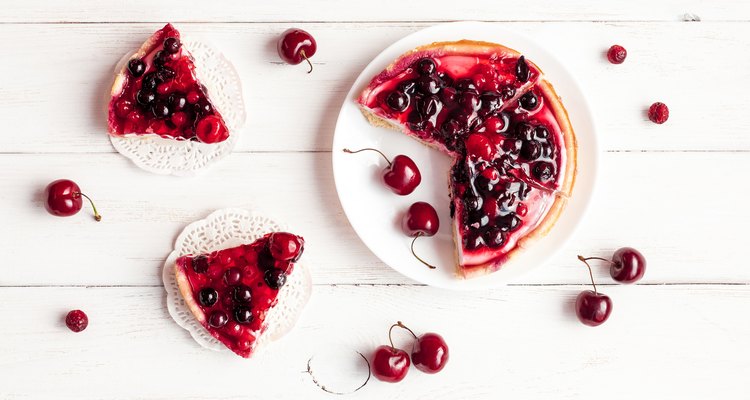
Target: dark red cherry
x=430, y=353
x=232, y=276
x=285, y=246
x=397, y=101
x=390, y=364
x=522, y=69
x=401, y=175
x=242, y=294
x=242, y=314
x=420, y=219
x=275, y=278
x=76, y=320
x=628, y=265
x=64, y=198
x=208, y=297
x=172, y=45
x=218, y=319
x=200, y=264
x=426, y=66
x=529, y=101
x=592, y=308
x=296, y=45
x=136, y=67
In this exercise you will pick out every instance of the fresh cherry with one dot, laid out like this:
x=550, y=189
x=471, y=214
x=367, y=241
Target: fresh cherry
x=592, y=307
x=402, y=175
x=63, y=198
x=626, y=266
x=390, y=364
x=285, y=246
x=429, y=353
x=296, y=45
x=77, y=320
x=420, y=219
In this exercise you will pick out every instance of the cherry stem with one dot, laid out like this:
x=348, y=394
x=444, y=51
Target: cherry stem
x=591, y=274
x=369, y=149
x=302, y=52
x=610, y=262
x=419, y=234
x=400, y=325
x=325, y=389
x=97, y=217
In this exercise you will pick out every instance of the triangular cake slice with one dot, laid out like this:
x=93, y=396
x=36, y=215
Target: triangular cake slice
x=158, y=92
x=514, y=150
x=230, y=291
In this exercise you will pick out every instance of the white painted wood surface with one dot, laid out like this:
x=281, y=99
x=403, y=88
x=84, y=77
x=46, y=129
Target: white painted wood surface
x=675, y=191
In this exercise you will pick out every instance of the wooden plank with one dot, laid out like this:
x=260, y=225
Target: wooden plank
x=384, y=10
x=63, y=72
x=522, y=342
x=685, y=211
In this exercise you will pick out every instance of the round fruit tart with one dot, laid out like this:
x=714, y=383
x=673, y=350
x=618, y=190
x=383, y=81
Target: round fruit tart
x=512, y=145
x=231, y=291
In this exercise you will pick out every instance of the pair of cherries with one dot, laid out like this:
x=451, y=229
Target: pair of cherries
x=429, y=354
x=626, y=266
x=402, y=176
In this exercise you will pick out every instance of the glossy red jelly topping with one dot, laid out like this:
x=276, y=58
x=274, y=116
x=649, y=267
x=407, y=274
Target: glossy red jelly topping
x=162, y=95
x=487, y=113
x=236, y=287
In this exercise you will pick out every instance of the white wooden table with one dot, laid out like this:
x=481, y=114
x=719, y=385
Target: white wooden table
x=678, y=192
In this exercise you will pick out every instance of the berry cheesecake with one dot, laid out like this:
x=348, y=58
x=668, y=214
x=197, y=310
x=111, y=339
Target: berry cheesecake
x=157, y=92
x=512, y=145
x=230, y=291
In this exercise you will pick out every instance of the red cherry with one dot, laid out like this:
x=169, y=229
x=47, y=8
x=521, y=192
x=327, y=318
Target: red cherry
x=478, y=146
x=77, y=320
x=592, y=307
x=628, y=265
x=210, y=129
x=402, y=175
x=390, y=364
x=616, y=54
x=420, y=219
x=63, y=198
x=296, y=45
x=285, y=246
x=430, y=353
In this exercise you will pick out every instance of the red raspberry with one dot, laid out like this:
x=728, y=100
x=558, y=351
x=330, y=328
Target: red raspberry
x=77, y=320
x=616, y=54
x=658, y=113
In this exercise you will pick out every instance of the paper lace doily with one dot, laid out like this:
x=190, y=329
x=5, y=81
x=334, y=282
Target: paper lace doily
x=185, y=157
x=228, y=228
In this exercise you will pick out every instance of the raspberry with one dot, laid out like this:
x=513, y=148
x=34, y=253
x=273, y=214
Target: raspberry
x=658, y=113
x=616, y=54
x=77, y=320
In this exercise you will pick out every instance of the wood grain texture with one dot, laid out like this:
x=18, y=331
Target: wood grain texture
x=694, y=67
x=383, y=10
x=661, y=203
x=519, y=342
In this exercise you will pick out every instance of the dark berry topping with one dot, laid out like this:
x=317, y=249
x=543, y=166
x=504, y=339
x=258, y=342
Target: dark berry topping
x=202, y=107
x=426, y=66
x=275, y=278
x=242, y=294
x=445, y=78
x=160, y=57
x=243, y=315
x=407, y=87
x=530, y=150
x=473, y=240
x=473, y=203
x=469, y=101
x=217, y=319
x=150, y=81
x=160, y=109
x=145, y=97
x=448, y=95
x=491, y=102
x=529, y=101
x=397, y=101
x=165, y=73
x=507, y=92
x=508, y=223
x=232, y=276
x=428, y=85
x=522, y=69
x=265, y=259
x=172, y=45
x=541, y=132
x=494, y=237
x=524, y=131
x=428, y=106
x=466, y=85
x=177, y=102
x=136, y=67
x=208, y=297
x=543, y=171
x=200, y=264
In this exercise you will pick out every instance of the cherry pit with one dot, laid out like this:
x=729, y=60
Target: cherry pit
x=429, y=354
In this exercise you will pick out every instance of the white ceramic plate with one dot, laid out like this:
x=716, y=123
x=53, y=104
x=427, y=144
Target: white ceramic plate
x=375, y=212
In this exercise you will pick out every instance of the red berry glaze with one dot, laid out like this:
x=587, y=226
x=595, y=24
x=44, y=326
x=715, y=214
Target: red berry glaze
x=285, y=246
x=296, y=45
x=390, y=364
x=401, y=175
x=592, y=308
x=430, y=353
x=77, y=320
x=658, y=113
x=617, y=54
x=64, y=198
